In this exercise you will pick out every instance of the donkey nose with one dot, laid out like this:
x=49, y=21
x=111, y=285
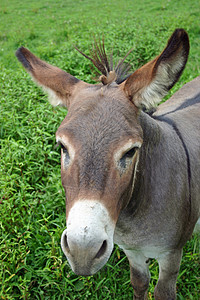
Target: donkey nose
x=78, y=245
x=88, y=240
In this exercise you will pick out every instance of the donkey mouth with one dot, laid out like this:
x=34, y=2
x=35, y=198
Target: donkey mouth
x=88, y=269
x=87, y=242
x=86, y=261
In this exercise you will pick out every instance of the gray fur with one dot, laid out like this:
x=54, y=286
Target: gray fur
x=167, y=190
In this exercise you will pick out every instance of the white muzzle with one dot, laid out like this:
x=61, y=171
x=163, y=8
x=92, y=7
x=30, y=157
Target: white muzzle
x=87, y=241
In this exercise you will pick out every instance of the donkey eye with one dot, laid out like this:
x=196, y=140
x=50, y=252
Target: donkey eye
x=130, y=153
x=124, y=162
x=64, y=149
x=66, y=154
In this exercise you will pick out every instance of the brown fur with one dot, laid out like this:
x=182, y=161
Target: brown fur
x=178, y=45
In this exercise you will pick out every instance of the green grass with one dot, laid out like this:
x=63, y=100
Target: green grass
x=32, y=205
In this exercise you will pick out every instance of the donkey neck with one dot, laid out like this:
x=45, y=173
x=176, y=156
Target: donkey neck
x=152, y=135
x=159, y=162
x=162, y=164
x=141, y=202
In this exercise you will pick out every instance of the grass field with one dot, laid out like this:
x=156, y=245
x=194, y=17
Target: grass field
x=32, y=202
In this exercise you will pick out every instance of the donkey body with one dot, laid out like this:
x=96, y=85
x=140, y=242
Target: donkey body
x=130, y=177
x=166, y=192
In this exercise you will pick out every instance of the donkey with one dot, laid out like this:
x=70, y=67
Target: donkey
x=130, y=176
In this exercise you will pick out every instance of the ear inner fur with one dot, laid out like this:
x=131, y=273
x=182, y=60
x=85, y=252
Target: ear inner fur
x=59, y=84
x=147, y=85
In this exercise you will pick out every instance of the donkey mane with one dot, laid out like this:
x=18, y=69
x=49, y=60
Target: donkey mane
x=104, y=63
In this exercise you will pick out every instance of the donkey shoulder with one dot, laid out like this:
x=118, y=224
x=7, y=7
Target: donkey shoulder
x=186, y=98
x=182, y=112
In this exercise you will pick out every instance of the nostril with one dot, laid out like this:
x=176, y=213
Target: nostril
x=102, y=250
x=65, y=243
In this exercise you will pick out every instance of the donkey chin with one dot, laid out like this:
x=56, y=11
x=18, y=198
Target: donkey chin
x=87, y=241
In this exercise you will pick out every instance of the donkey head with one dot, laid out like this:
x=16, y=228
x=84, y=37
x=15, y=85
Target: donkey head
x=100, y=142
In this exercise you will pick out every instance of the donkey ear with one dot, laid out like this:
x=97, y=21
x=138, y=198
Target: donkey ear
x=59, y=85
x=149, y=84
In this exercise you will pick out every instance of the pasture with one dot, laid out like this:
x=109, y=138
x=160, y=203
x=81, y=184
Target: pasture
x=32, y=202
